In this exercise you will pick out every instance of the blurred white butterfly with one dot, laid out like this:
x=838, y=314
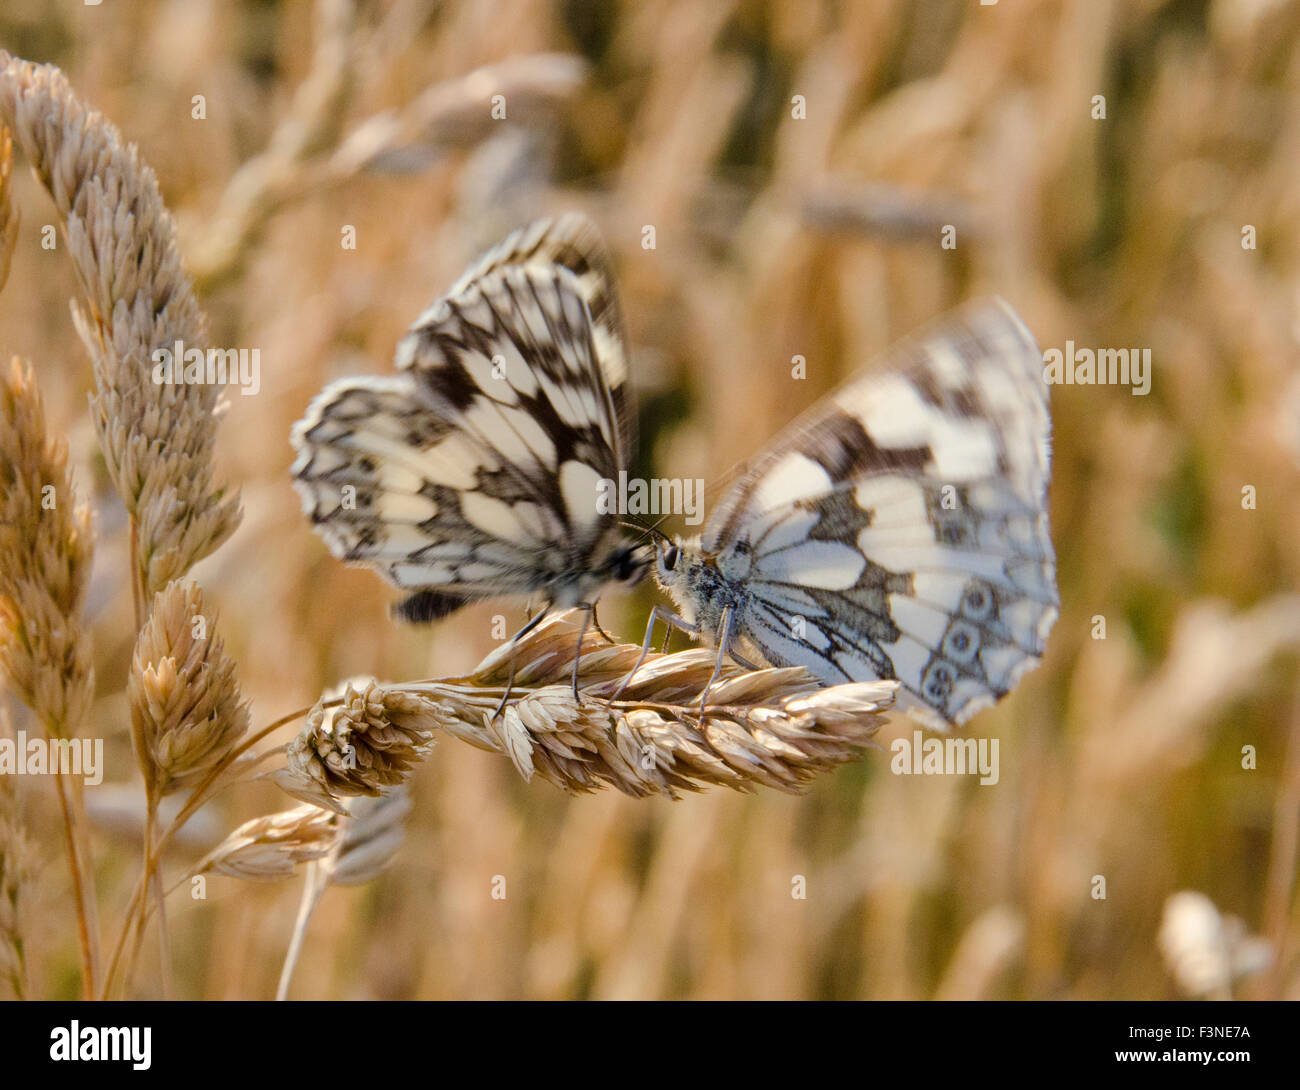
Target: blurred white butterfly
x=898, y=530
x=473, y=473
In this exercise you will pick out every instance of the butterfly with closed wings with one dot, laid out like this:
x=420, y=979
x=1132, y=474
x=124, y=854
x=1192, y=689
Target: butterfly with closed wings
x=473, y=472
x=898, y=530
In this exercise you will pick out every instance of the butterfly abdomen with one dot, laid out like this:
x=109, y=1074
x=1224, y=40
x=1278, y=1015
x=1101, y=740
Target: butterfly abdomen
x=427, y=606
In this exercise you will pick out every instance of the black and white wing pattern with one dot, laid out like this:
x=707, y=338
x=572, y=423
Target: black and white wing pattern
x=473, y=472
x=899, y=530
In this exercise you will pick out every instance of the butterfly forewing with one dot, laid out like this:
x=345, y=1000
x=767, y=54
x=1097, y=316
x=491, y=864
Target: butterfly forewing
x=572, y=243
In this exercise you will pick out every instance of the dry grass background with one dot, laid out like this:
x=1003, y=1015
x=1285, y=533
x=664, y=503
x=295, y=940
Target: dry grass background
x=775, y=236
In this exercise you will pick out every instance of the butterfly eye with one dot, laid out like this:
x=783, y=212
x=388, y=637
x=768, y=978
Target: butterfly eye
x=670, y=557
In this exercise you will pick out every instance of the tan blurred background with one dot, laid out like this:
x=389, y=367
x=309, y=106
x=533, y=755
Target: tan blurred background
x=775, y=236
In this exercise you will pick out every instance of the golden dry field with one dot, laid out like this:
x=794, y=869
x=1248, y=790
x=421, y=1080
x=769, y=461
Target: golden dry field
x=783, y=187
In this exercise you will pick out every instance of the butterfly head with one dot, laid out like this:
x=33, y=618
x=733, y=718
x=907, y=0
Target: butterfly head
x=680, y=569
x=627, y=562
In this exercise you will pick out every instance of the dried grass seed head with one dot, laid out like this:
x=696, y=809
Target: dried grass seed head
x=775, y=728
x=269, y=847
x=157, y=438
x=186, y=711
x=46, y=543
x=363, y=745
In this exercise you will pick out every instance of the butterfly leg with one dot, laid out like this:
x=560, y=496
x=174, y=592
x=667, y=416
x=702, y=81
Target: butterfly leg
x=744, y=662
x=589, y=609
x=532, y=623
x=608, y=638
x=724, y=638
x=673, y=621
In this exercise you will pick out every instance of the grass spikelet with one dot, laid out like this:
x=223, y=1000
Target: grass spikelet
x=186, y=710
x=368, y=742
x=269, y=847
x=46, y=543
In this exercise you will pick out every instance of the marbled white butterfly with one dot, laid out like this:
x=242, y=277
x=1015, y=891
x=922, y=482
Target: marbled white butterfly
x=472, y=473
x=898, y=530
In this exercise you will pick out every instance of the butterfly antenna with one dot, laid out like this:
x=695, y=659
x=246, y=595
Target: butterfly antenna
x=647, y=531
x=653, y=528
